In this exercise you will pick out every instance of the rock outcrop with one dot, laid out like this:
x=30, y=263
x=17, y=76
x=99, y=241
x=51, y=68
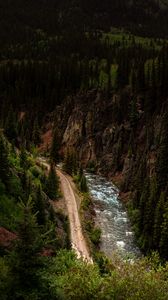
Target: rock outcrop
x=98, y=129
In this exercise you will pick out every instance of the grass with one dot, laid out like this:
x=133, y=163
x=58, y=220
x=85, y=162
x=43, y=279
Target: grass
x=128, y=39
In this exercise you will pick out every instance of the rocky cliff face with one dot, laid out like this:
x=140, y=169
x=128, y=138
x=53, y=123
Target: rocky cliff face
x=99, y=130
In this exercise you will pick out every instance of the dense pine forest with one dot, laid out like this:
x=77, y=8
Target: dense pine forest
x=84, y=82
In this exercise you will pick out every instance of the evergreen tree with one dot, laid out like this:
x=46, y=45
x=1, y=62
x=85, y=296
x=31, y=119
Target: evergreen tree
x=55, y=146
x=80, y=172
x=142, y=203
x=26, y=185
x=159, y=219
x=23, y=158
x=70, y=163
x=133, y=113
x=162, y=160
x=4, y=160
x=164, y=234
x=149, y=215
x=11, y=126
x=83, y=184
x=39, y=206
x=52, y=183
x=67, y=166
x=25, y=260
x=133, y=81
x=36, y=136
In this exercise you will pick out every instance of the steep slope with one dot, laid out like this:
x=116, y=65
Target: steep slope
x=21, y=18
x=131, y=150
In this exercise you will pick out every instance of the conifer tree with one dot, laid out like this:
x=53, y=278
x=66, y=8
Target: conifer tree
x=149, y=215
x=39, y=206
x=83, y=184
x=67, y=166
x=4, y=161
x=133, y=81
x=164, y=234
x=55, y=146
x=23, y=158
x=52, y=183
x=26, y=185
x=11, y=126
x=159, y=219
x=162, y=160
x=80, y=172
x=36, y=133
x=142, y=204
x=133, y=112
x=25, y=260
x=70, y=163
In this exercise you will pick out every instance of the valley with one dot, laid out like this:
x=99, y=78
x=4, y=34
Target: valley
x=83, y=85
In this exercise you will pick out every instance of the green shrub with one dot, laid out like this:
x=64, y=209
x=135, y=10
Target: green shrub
x=14, y=186
x=95, y=236
x=10, y=212
x=36, y=171
x=91, y=166
x=86, y=202
x=2, y=188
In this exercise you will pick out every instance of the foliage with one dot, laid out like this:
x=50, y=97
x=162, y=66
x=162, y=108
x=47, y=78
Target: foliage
x=9, y=212
x=39, y=206
x=25, y=260
x=121, y=280
x=70, y=163
x=95, y=236
x=162, y=169
x=55, y=146
x=53, y=53
x=4, y=278
x=23, y=158
x=4, y=160
x=91, y=166
x=52, y=183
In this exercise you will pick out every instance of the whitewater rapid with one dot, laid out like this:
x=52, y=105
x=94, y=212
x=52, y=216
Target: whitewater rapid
x=112, y=218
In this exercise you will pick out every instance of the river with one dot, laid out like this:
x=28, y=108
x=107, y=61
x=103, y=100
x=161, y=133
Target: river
x=112, y=218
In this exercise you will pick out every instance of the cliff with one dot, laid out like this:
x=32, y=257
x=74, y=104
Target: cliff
x=99, y=129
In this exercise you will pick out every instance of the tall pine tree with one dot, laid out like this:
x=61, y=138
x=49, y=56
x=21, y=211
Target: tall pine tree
x=52, y=183
x=4, y=160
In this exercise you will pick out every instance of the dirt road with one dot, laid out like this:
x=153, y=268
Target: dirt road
x=77, y=238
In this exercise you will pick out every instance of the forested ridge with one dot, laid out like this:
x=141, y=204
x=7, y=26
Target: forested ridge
x=21, y=18
x=84, y=82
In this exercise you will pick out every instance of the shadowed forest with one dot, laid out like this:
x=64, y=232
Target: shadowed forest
x=92, y=75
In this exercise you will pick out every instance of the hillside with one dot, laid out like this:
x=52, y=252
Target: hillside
x=21, y=18
x=105, y=95
x=84, y=84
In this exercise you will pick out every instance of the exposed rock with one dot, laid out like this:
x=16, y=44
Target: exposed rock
x=99, y=130
x=6, y=238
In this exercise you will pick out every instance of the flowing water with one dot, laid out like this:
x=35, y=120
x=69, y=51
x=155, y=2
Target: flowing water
x=112, y=218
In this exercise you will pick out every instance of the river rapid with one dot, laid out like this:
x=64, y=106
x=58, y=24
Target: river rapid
x=112, y=218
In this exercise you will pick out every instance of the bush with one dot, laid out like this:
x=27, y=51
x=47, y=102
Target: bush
x=15, y=187
x=36, y=171
x=10, y=213
x=83, y=184
x=91, y=166
x=86, y=202
x=2, y=188
x=95, y=236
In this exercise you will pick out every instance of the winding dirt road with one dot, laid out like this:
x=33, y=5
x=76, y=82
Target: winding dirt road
x=77, y=238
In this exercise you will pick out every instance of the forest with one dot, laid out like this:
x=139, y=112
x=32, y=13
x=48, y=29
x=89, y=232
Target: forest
x=102, y=66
